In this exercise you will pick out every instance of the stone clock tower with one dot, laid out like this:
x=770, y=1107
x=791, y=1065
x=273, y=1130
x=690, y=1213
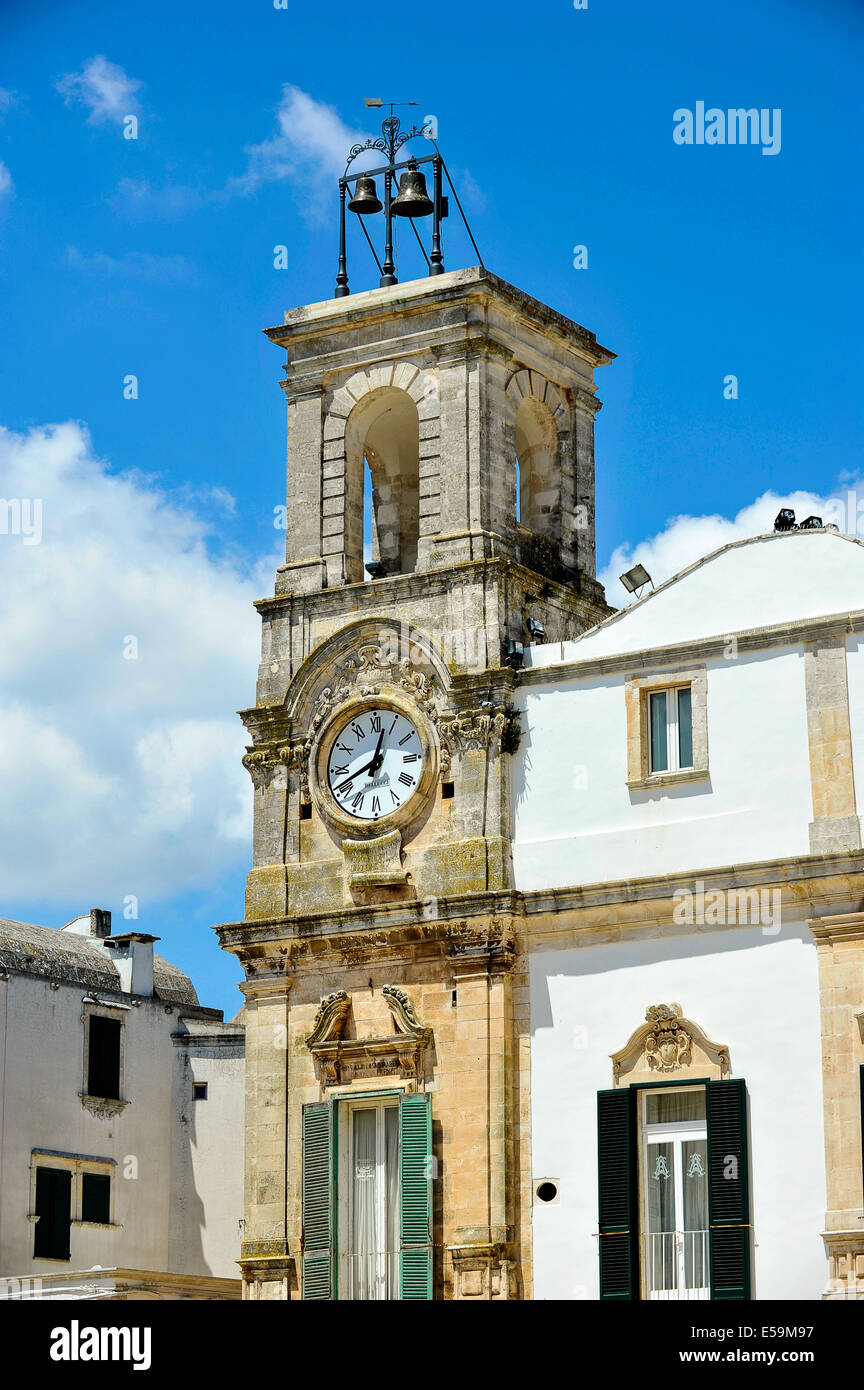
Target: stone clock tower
x=440, y=433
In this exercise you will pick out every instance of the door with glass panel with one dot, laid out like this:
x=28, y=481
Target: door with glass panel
x=675, y=1194
x=369, y=1198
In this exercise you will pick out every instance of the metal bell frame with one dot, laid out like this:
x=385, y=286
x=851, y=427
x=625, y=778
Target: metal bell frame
x=390, y=142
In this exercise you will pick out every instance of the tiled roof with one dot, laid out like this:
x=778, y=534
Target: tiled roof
x=27, y=949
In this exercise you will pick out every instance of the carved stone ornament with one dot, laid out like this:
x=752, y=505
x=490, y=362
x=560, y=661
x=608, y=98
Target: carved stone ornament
x=370, y=671
x=330, y=1018
x=666, y=1043
x=102, y=1107
x=402, y=1050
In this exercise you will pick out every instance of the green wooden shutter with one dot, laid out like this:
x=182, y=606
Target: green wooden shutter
x=415, y=1186
x=618, y=1190
x=319, y=1215
x=728, y=1189
x=53, y=1207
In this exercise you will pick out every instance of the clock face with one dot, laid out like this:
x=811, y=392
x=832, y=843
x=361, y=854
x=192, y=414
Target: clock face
x=375, y=764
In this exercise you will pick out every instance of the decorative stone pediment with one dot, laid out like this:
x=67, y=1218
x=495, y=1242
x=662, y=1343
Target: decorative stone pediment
x=330, y=1018
x=668, y=1044
x=342, y=1058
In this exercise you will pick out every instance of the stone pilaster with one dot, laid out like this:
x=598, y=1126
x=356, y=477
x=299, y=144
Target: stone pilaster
x=840, y=948
x=266, y=1264
x=835, y=825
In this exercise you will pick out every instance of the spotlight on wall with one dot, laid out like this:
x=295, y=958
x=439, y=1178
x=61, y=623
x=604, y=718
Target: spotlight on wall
x=515, y=655
x=536, y=630
x=811, y=523
x=636, y=579
x=376, y=570
x=785, y=520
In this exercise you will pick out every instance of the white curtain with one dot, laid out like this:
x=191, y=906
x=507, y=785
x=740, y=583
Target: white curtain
x=694, y=1166
x=671, y=1107
x=364, y=1236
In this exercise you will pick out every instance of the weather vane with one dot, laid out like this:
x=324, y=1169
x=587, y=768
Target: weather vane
x=412, y=198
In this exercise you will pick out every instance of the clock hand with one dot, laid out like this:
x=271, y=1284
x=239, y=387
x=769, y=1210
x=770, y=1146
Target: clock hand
x=377, y=759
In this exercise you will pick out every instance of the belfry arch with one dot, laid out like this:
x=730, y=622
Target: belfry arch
x=383, y=432
x=539, y=469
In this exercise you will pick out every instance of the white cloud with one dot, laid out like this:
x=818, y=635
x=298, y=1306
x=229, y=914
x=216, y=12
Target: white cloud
x=133, y=265
x=688, y=538
x=119, y=776
x=312, y=139
x=311, y=145
x=107, y=92
x=8, y=100
x=6, y=184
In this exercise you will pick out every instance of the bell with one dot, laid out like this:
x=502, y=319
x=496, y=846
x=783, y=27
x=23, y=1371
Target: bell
x=365, y=197
x=413, y=200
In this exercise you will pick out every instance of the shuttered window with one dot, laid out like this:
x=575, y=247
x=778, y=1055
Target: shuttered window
x=318, y=1194
x=729, y=1238
x=728, y=1190
x=96, y=1198
x=323, y=1216
x=103, y=1058
x=53, y=1208
x=415, y=1181
x=618, y=1194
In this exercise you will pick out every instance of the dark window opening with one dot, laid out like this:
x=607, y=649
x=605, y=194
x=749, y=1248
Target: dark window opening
x=199, y=1090
x=305, y=810
x=547, y=1191
x=447, y=791
x=103, y=1060
x=53, y=1208
x=96, y=1198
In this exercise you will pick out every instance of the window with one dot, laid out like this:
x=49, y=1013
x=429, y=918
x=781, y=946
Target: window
x=369, y=1247
x=666, y=728
x=670, y=723
x=103, y=1057
x=199, y=1090
x=674, y=1201
x=675, y=1194
x=54, y=1214
x=367, y=1198
x=96, y=1198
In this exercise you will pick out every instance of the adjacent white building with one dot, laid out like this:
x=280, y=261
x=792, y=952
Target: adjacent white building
x=687, y=825
x=121, y=1129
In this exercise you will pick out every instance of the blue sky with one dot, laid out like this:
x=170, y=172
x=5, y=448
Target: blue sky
x=155, y=257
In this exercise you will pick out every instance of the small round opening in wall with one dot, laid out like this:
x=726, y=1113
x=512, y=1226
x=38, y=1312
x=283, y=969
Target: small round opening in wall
x=547, y=1191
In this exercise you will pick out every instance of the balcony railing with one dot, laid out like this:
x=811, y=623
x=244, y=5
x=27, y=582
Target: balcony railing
x=676, y=1264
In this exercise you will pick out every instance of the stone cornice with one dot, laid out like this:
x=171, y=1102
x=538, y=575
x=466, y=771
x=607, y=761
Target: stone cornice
x=704, y=648
x=845, y=926
x=473, y=286
x=423, y=584
x=816, y=881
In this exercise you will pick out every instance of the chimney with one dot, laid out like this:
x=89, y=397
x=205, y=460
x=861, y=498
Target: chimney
x=100, y=922
x=132, y=953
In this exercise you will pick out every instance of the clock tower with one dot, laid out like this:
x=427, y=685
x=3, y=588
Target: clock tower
x=440, y=438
